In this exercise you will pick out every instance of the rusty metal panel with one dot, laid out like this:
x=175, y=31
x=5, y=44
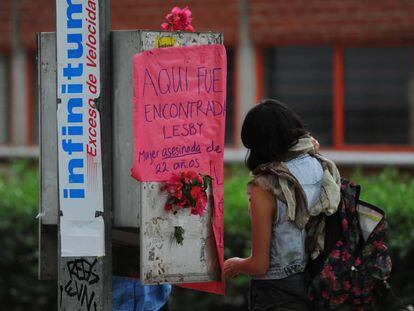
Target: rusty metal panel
x=48, y=203
x=155, y=39
x=48, y=252
x=125, y=189
x=48, y=128
x=163, y=260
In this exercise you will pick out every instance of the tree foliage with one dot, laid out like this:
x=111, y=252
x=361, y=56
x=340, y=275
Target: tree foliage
x=19, y=196
x=19, y=286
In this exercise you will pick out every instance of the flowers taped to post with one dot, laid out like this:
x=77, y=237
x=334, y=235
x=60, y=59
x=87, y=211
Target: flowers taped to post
x=179, y=19
x=186, y=190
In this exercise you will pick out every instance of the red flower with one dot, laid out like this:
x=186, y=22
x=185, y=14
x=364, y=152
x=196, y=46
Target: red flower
x=346, y=285
x=192, y=175
x=175, y=179
x=345, y=256
x=356, y=290
x=339, y=243
x=335, y=254
x=196, y=192
x=378, y=245
x=325, y=295
x=181, y=204
x=173, y=189
x=328, y=274
x=326, y=270
x=178, y=19
x=187, y=190
x=198, y=210
x=201, y=203
x=357, y=262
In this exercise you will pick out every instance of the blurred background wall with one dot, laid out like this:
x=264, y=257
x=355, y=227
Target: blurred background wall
x=345, y=66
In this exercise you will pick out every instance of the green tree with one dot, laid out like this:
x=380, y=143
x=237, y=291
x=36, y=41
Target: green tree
x=19, y=286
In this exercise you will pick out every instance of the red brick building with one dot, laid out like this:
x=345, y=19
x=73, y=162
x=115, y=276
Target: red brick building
x=346, y=66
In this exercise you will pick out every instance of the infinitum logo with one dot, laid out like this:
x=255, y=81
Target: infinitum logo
x=72, y=129
x=78, y=91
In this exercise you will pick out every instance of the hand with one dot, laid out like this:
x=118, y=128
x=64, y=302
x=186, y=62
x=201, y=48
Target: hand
x=315, y=143
x=231, y=267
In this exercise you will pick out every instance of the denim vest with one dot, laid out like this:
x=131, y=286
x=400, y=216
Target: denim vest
x=287, y=250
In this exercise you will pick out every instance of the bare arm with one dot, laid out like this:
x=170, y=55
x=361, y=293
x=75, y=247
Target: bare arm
x=262, y=209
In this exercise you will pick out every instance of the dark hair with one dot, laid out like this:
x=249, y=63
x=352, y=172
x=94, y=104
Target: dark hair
x=269, y=130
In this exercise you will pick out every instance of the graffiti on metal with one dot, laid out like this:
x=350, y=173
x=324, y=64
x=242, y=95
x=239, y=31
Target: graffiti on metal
x=80, y=284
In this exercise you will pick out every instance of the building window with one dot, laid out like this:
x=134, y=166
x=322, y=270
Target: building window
x=377, y=88
x=4, y=99
x=350, y=97
x=301, y=77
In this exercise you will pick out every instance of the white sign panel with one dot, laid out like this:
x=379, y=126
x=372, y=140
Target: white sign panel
x=78, y=130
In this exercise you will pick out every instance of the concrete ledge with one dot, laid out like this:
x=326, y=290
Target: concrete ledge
x=237, y=155
x=19, y=152
x=366, y=158
x=370, y=158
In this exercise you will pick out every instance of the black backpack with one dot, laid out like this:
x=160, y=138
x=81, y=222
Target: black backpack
x=353, y=269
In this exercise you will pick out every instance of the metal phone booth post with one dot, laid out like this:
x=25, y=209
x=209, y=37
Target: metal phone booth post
x=138, y=241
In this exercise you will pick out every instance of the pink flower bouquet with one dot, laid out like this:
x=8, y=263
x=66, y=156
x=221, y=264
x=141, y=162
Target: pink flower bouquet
x=178, y=19
x=186, y=190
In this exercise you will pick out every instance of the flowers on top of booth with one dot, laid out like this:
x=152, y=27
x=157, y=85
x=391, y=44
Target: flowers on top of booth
x=187, y=190
x=179, y=19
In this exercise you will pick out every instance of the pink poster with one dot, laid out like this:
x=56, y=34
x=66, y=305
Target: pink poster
x=179, y=119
